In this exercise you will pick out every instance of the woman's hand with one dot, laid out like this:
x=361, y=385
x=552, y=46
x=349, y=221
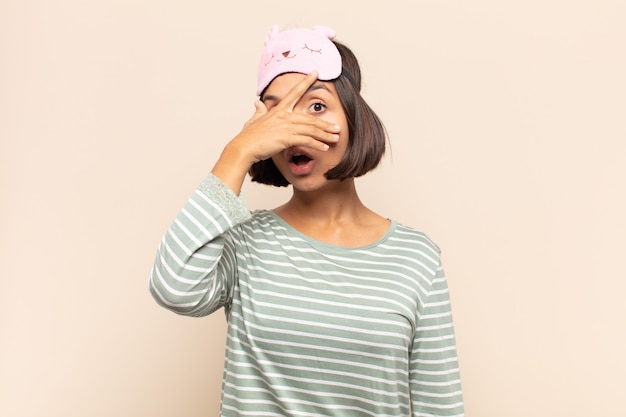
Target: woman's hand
x=269, y=132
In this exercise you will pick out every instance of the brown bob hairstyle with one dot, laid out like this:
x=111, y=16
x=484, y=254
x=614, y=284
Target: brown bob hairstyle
x=366, y=139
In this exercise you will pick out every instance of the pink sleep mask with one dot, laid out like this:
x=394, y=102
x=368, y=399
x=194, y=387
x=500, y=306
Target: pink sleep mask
x=299, y=50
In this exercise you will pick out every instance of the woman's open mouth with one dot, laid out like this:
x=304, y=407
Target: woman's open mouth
x=299, y=159
x=300, y=163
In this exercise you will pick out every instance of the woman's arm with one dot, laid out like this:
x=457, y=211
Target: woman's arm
x=434, y=368
x=195, y=266
x=269, y=132
x=194, y=270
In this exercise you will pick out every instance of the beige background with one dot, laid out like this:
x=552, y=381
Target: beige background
x=509, y=143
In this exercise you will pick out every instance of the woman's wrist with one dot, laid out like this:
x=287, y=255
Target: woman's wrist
x=231, y=167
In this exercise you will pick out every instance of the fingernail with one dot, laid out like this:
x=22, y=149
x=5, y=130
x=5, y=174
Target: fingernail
x=335, y=136
x=326, y=147
x=337, y=127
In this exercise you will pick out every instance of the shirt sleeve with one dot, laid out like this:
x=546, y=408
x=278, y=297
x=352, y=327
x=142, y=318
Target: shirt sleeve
x=195, y=265
x=434, y=369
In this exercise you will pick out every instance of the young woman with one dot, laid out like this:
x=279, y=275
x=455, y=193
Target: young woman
x=332, y=309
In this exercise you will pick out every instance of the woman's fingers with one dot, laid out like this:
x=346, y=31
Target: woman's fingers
x=302, y=121
x=295, y=94
x=315, y=128
x=288, y=133
x=270, y=131
x=259, y=110
x=308, y=141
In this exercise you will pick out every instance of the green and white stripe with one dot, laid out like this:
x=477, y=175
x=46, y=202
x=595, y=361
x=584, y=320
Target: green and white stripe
x=313, y=329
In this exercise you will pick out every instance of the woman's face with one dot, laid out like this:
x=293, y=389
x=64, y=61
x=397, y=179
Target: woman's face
x=305, y=167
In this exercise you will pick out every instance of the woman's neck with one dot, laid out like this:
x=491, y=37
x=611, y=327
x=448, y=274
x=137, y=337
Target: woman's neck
x=334, y=215
x=335, y=203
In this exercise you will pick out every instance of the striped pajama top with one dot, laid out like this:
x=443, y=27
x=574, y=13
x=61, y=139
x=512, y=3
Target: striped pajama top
x=313, y=329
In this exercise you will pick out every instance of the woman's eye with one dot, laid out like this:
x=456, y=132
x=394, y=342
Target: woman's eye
x=317, y=107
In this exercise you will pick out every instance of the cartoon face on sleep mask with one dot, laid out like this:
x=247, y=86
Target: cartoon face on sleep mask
x=299, y=50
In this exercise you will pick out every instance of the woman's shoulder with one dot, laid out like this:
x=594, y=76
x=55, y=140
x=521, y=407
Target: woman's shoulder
x=260, y=221
x=257, y=218
x=411, y=236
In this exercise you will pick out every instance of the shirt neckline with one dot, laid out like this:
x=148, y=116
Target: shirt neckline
x=329, y=246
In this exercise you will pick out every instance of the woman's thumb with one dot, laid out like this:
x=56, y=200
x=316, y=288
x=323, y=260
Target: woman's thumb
x=259, y=110
x=259, y=107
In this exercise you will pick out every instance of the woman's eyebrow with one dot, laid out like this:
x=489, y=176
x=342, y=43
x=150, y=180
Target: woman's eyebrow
x=270, y=98
x=316, y=86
